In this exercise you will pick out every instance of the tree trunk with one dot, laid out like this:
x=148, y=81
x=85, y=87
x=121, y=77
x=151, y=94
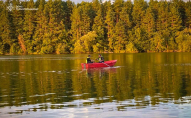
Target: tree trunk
x=22, y=43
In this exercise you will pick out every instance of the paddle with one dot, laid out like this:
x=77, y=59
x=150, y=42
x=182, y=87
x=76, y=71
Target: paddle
x=106, y=64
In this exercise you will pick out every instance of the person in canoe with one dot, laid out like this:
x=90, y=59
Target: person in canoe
x=88, y=60
x=100, y=59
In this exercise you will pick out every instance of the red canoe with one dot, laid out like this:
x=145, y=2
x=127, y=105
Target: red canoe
x=98, y=65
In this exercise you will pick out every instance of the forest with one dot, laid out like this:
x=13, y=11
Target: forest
x=59, y=27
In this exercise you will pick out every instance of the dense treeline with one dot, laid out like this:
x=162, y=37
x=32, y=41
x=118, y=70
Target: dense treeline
x=65, y=27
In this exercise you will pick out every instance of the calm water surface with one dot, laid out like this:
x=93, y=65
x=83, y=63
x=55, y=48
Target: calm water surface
x=155, y=85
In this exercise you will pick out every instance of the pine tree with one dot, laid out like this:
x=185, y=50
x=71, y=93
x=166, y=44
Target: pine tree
x=54, y=15
x=162, y=22
x=62, y=44
x=120, y=36
x=81, y=21
x=138, y=12
x=188, y=14
x=68, y=7
x=60, y=35
x=109, y=20
x=17, y=28
x=125, y=20
x=180, y=7
x=49, y=20
x=29, y=26
x=174, y=19
x=140, y=39
x=85, y=17
x=148, y=22
x=175, y=25
x=96, y=5
x=125, y=17
x=76, y=25
x=128, y=6
x=98, y=27
x=163, y=15
x=183, y=40
x=5, y=30
x=153, y=4
x=106, y=6
x=118, y=5
x=40, y=27
x=1, y=41
x=157, y=43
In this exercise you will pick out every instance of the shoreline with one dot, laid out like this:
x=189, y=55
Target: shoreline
x=168, y=51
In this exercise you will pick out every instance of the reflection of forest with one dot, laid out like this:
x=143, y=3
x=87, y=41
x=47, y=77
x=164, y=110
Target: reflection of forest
x=43, y=81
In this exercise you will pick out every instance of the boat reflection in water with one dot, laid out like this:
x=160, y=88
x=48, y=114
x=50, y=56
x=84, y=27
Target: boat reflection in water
x=100, y=72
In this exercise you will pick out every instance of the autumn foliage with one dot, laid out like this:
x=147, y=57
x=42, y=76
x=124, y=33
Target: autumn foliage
x=95, y=27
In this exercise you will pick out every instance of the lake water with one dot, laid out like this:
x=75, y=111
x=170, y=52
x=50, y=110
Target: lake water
x=145, y=85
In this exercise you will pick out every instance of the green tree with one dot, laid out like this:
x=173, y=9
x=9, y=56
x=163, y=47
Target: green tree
x=120, y=37
x=162, y=22
x=148, y=22
x=86, y=43
x=174, y=19
x=157, y=43
x=85, y=17
x=40, y=27
x=67, y=7
x=5, y=30
x=138, y=12
x=128, y=6
x=96, y=5
x=183, y=40
x=175, y=24
x=17, y=28
x=62, y=45
x=29, y=26
x=98, y=27
x=125, y=17
x=109, y=20
x=75, y=25
x=81, y=21
x=141, y=40
x=188, y=14
x=54, y=26
x=130, y=47
x=118, y=5
x=162, y=18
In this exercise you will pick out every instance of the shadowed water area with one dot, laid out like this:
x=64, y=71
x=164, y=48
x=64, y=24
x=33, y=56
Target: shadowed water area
x=139, y=85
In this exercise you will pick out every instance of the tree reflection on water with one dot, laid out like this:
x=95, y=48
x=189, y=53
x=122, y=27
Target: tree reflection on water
x=42, y=84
